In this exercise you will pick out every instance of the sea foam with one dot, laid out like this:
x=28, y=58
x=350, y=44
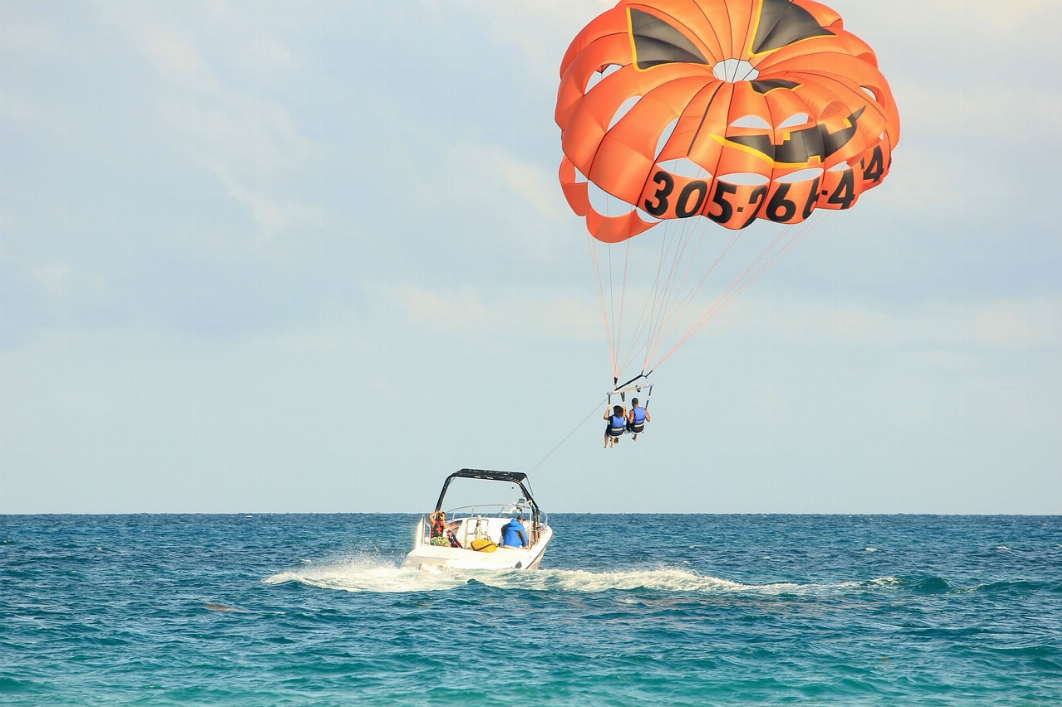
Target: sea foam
x=361, y=574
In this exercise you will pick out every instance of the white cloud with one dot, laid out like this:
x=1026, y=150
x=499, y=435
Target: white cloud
x=939, y=326
x=540, y=30
x=1003, y=324
x=175, y=55
x=927, y=183
x=273, y=215
x=61, y=280
x=17, y=110
x=524, y=314
x=239, y=135
x=27, y=37
x=54, y=278
x=1017, y=323
x=985, y=106
x=517, y=202
x=506, y=175
x=1018, y=21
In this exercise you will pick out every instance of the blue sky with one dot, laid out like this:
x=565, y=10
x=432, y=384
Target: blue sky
x=302, y=256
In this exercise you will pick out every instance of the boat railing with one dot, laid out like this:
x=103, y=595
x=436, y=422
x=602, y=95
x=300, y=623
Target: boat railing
x=489, y=510
x=496, y=510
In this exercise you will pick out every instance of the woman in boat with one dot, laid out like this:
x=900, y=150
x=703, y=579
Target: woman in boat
x=438, y=524
x=440, y=531
x=617, y=425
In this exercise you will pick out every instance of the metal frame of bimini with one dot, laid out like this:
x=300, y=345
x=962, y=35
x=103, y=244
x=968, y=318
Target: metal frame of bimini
x=518, y=478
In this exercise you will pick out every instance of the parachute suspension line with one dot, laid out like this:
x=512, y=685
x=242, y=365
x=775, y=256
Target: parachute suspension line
x=675, y=241
x=738, y=280
x=601, y=300
x=610, y=329
x=687, y=302
x=679, y=302
x=737, y=235
x=686, y=233
x=623, y=290
x=612, y=302
x=613, y=326
x=740, y=284
x=643, y=318
x=651, y=297
x=731, y=294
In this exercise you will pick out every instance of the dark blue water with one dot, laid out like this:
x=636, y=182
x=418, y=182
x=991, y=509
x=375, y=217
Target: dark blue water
x=627, y=610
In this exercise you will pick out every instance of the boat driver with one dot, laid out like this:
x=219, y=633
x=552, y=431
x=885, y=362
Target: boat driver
x=514, y=534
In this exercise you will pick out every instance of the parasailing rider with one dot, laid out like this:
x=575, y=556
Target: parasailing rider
x=636, y=419
x=617, y=425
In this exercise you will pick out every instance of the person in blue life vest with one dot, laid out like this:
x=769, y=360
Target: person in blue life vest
x=636, y=419
x=514, y=534
x=617, y=425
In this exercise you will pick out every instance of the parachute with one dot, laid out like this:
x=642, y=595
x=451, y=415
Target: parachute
x=679, y=117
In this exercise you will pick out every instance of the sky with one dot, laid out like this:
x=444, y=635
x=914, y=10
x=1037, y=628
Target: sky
x=313, y=257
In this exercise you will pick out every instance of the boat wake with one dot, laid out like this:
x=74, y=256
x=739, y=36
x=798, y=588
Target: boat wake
x=373, y=575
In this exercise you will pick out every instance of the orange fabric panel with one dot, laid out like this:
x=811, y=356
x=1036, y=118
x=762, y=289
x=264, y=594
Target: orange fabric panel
x=790, y=202
x=575, y=192
x=611, y=49
x=620, y=170
x=615, y=229
x=840, y=189
x=734, y=206
x=609, y=229
x=611, y=23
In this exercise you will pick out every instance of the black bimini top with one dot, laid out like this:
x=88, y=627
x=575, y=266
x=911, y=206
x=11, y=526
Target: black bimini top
x=513, y=477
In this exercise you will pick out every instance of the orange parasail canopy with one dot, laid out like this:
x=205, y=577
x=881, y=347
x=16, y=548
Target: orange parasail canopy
x=731, y=110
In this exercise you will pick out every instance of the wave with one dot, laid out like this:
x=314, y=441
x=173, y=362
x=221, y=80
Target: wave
x=368, y=575
x=929, y=585
x=12, y=685
x=1018, y=587
x=373, y=575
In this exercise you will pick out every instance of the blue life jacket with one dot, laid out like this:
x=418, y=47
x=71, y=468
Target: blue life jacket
x=511, y=534
x=617, y=425
x=639, y=415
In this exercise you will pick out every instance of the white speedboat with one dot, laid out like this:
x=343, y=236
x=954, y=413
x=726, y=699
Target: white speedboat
x=470, y=537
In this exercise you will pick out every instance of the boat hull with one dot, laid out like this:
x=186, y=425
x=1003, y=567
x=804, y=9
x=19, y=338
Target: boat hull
x=435, y=557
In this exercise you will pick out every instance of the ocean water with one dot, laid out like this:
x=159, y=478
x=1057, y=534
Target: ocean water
x=626, y=610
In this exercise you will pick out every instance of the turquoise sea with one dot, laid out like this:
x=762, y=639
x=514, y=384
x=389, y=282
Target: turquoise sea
x=626, y=610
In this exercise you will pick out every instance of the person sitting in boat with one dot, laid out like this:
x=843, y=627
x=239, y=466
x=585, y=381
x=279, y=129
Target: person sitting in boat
x=515, y=534
x=636, y=419
x=440, y=531
x=438, y=524
x=617, y=425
